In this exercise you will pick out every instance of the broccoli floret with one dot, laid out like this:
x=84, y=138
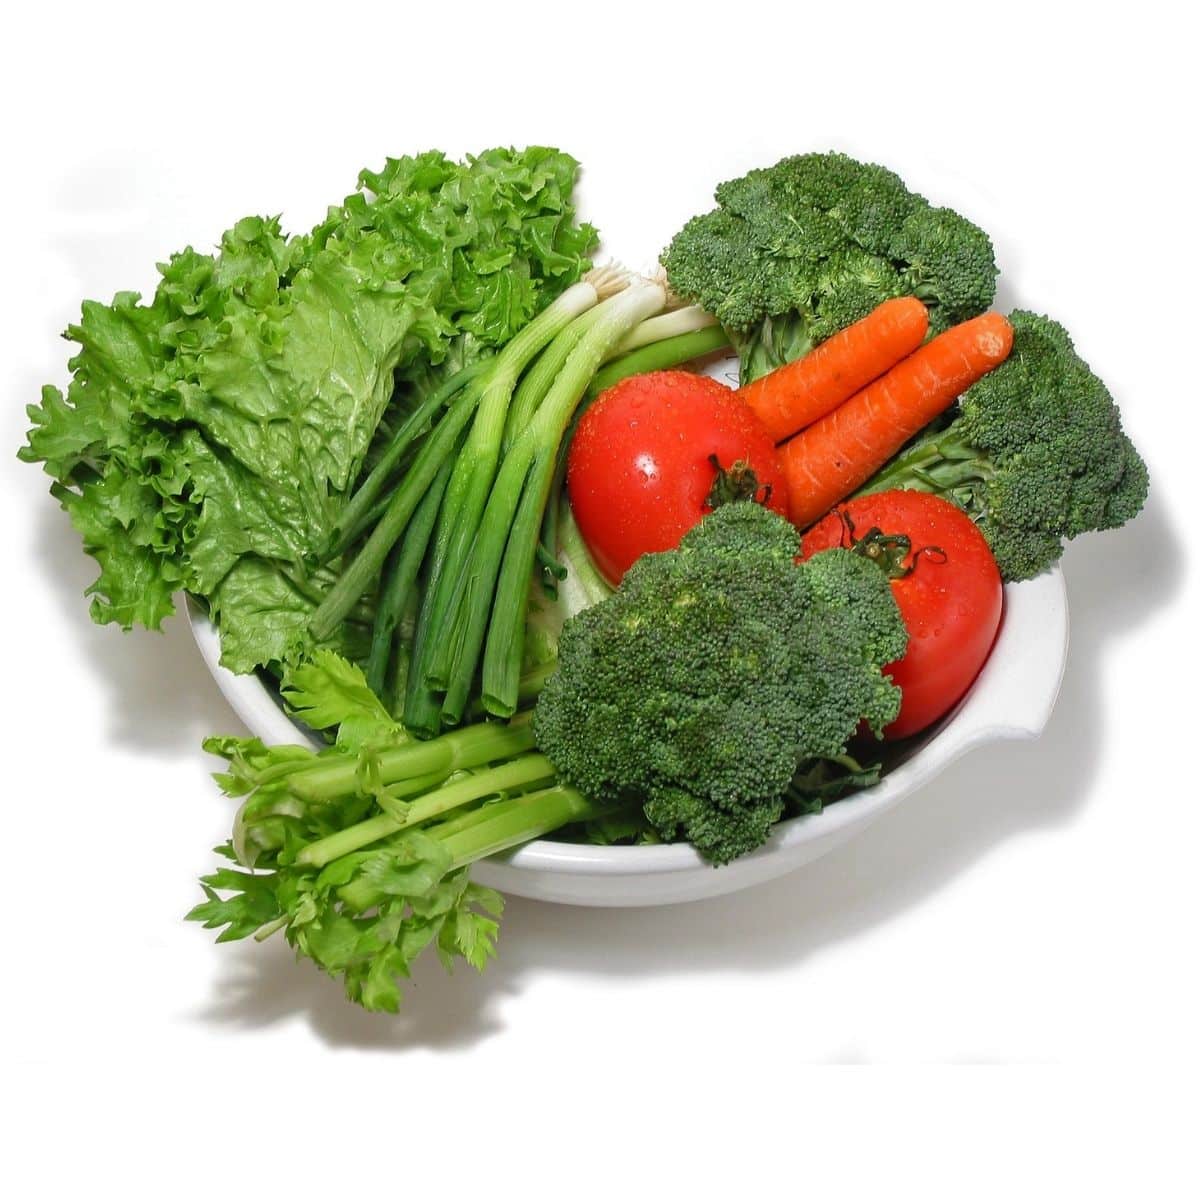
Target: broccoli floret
x=869, y=202
x=850, y=284
x=722, y=247
x=1035, y=453
x=802, y=249
x=715, y=672
x=950, y=264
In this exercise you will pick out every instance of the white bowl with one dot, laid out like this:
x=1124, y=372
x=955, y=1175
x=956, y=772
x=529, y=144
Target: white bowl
x=1012, y=698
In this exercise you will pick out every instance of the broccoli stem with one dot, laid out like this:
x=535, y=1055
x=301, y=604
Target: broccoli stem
x=460, y=750
x=521, y=772
x=354, y=519
x=939, y=461
x=399, y=575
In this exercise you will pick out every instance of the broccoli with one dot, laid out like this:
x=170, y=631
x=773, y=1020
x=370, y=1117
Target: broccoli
x=715, y=673
x=1034, y=453
x=806, y=247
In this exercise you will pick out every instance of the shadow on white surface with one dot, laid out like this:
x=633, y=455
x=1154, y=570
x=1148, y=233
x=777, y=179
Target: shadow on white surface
x=907, y=856
x=162, y=698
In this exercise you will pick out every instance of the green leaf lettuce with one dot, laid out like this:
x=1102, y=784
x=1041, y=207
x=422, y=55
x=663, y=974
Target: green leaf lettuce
x=210, y=435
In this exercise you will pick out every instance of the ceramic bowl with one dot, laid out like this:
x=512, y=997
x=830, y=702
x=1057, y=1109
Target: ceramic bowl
x=1012, y=698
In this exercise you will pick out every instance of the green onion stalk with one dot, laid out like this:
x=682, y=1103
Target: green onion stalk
x=667, y=325
x=474, y=472
x=481, y=404
x=592, y=584
x=540, y=377
x=490, y=596
x=673, y=351
x=357, y=516
x=399, y=578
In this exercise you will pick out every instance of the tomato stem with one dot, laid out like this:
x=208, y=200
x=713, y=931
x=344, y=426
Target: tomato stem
x=737, y=482
x=892, y=552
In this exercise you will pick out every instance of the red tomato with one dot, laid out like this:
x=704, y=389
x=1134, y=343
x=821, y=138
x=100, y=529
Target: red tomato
x=950, y=600
x=639, y=469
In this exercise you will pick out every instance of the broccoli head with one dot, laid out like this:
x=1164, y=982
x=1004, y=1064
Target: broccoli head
x=1034, y=453
x=802, y=249
x=715, y=672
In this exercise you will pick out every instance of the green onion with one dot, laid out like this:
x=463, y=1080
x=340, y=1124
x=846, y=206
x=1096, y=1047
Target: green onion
x=399, y=575
x=587, y=575
x=354, y=519
x=496, y=577
x=541, y=376
x=358, y=576
x=663, y=327
x=470, y=484
x=661, y=356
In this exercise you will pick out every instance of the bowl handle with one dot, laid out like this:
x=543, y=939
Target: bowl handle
x=1020, y=690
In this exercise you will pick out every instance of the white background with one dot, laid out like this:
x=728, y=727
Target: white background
x=1036, y=905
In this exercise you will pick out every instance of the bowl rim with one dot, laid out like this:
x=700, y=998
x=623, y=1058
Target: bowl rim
x=1012, y=697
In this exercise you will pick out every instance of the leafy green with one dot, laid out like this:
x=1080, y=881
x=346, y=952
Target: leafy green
x=210, y=435
x=328, y=692
x=416, y=900
x=821, y=781
x=358, y=853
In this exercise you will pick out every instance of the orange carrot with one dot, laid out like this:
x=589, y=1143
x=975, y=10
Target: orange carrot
x=794, y=396
x=842, y=450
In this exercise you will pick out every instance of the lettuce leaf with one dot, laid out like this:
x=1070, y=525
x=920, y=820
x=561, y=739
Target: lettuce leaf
x=209, y=436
